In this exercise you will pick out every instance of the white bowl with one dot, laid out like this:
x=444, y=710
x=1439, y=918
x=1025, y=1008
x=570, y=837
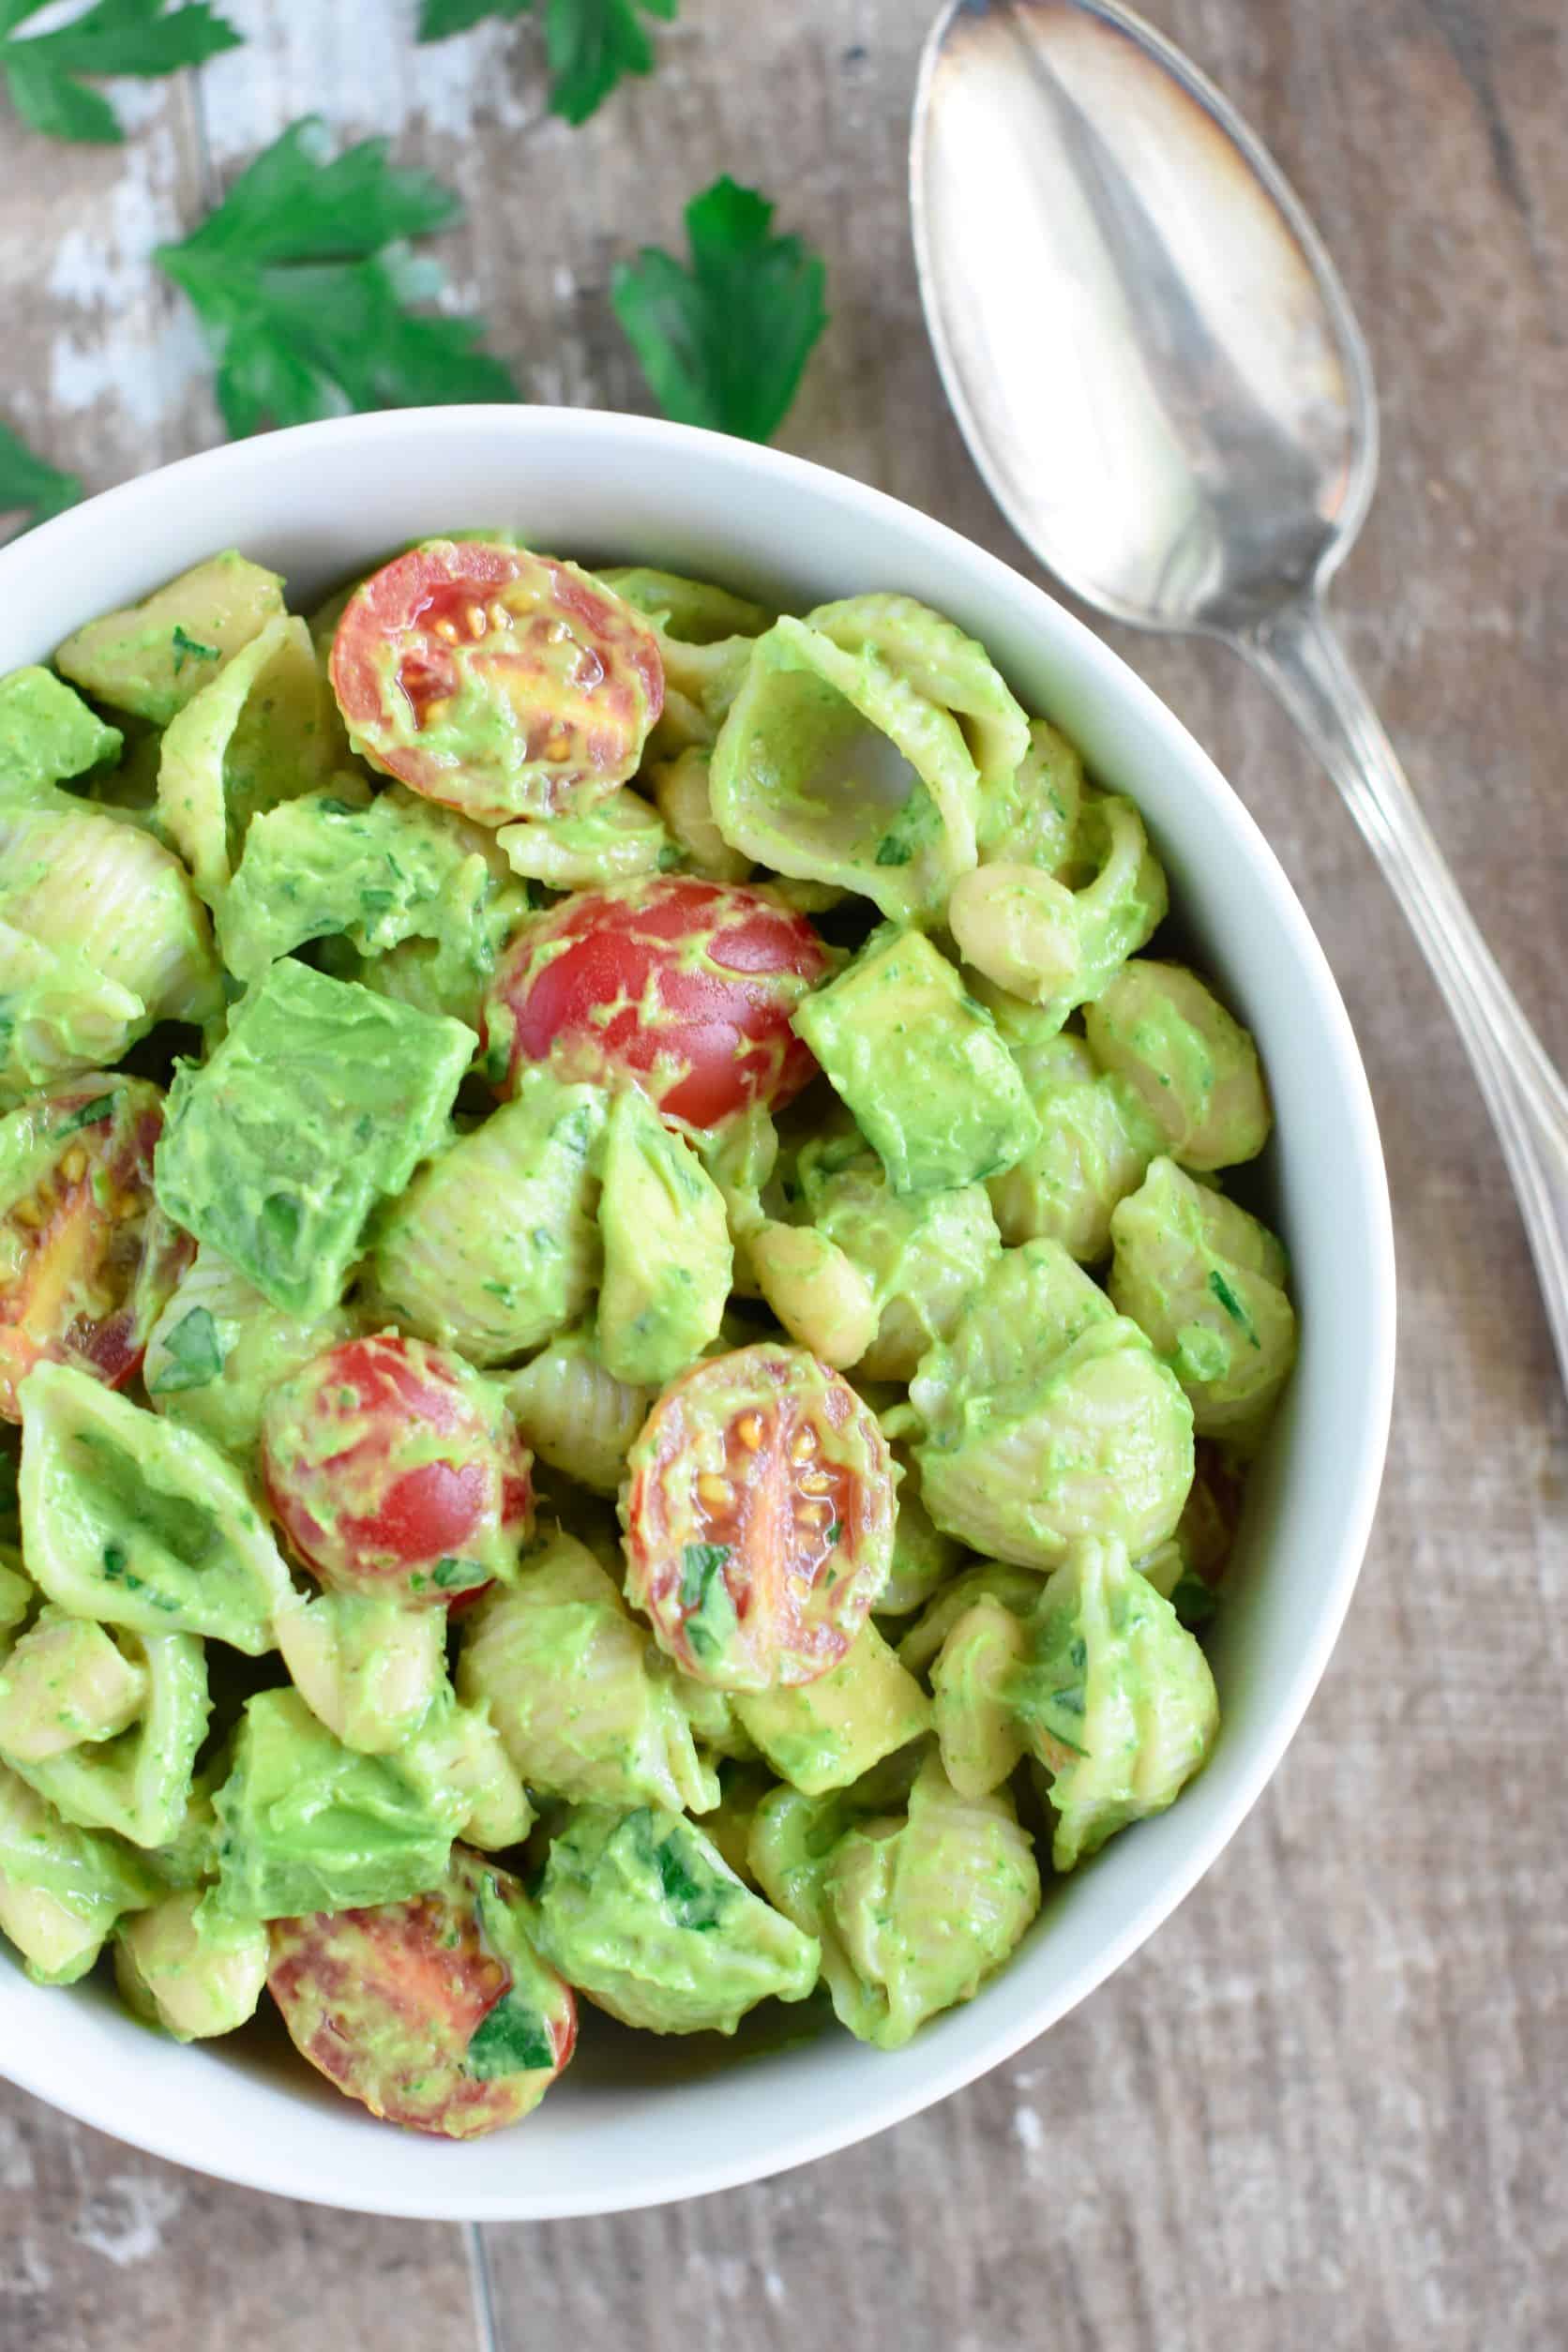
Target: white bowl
x=651, y=2120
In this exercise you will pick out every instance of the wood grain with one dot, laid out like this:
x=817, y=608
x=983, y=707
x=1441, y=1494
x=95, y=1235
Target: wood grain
x=1326, y=2107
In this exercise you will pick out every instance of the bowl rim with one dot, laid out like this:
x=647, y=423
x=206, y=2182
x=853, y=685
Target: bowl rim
x=134, y=502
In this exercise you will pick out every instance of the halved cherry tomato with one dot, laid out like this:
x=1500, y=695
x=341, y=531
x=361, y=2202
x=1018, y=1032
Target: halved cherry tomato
x=438, y=2012
x=758, y=1518
x=87, y=1259
x=504, y=684
x=394, y=1468
x=688, y=986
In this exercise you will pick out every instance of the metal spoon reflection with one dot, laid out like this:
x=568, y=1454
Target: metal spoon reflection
x=1159, y=374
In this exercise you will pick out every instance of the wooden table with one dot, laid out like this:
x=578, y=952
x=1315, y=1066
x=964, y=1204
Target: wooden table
x=1325, y=2109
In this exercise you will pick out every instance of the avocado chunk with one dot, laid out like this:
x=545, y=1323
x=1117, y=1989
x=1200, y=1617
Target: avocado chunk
x=666, y=1256
x=322, y=1099
x=130, y=1519
x=919, y=1063
x=154, y=657
x=48, y=733
x=323, y=867
x=308, y=1825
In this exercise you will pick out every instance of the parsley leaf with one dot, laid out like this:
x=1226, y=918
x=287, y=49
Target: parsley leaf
x=28, y=486
x=131, y=36
x=725, y=343
x=512, y=2040
x=302, y=281
x=440, y=19
x=590, y=44
x=195, y=1355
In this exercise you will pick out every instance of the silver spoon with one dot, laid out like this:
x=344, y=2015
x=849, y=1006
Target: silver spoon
x=1159, y=374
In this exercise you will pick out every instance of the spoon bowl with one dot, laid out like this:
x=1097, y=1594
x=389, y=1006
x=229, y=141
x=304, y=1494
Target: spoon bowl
x=1139, y=292
x=1159, y=374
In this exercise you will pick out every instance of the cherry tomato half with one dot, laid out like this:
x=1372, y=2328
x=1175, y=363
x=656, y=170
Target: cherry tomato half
x=504, y=684
x=438, y=2012
x=686, y=985
x=392, y=1467
x=758, y=1518
x=87, y=1260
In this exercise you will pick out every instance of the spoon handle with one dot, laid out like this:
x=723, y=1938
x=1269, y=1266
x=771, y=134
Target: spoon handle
x=1303, y=661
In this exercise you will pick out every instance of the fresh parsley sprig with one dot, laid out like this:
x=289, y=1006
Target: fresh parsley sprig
x=144, y=38
x=591, y=45
x=304, y=287
x=725, y=342
x=28, y=486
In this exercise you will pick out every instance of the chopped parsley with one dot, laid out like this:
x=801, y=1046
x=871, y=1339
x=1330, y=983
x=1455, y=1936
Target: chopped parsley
x=591, y=45
x=1232, y=1306
x=195, y=1355
x=191, y=649
x=512, y=2040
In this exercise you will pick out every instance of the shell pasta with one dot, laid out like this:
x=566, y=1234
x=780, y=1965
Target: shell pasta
x=627, y=1355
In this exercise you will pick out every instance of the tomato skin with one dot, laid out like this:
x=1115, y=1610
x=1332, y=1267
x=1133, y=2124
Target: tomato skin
x=392, y=1469
x=759, y=1516
x=386, y=2002
x=720, y=967
x=87, y=1260
x=500, y=682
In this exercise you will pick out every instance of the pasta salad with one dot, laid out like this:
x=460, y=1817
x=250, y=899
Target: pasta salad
x=630, y=1365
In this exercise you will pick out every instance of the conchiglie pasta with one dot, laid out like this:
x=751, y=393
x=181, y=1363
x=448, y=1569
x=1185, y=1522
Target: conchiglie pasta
x=923, y=1255
x=615, y=840
x=576, y=1416
x=1114, y=1696
x=494, y=1287
x=682, y=797
x=1055, y=941
x=573, y=1691
x=833, y=766
x=104, y=893
x=915, y=1904
x=218, y=1346
x=1096, y=1141
x=135, y=1778
x=256, y=735
x=57, y=1016
x=1049, y=1416
x=1206, y=1283
x=1194, y=1069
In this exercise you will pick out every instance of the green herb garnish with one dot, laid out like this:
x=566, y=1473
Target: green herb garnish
x=1232, y=1305
x=302, y=282
x=195, y=1355
x=512, y=2040
x=141, y=37
x=28, y=486
x=191, y=649
x=591, y=45
x=725, y=342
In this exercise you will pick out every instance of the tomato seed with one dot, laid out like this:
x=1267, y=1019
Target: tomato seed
x=749, y=1431
x=815, y=1483
x=714, y=1491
